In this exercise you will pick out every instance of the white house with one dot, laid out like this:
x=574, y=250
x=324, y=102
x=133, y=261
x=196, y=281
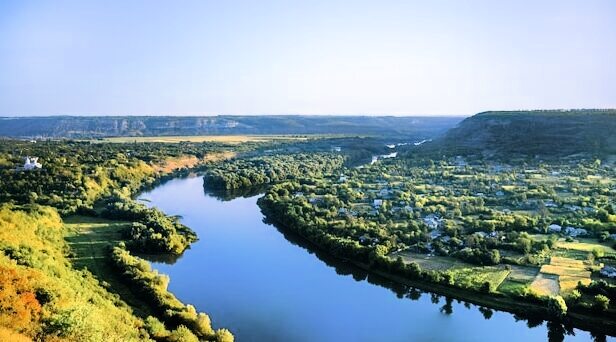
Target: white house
x=551, y=204
x=575, y=232
x=377, y=203
x=554, y=228
x=432, y=221
x=608, y=271
x=32, y=163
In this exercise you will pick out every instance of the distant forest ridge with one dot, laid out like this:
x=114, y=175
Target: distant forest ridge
x=119, y=126
x=541, y=132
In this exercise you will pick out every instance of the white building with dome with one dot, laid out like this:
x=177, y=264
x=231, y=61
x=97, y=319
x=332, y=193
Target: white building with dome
x=31, y=163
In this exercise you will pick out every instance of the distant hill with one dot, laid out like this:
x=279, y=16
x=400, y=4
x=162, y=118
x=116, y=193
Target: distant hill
x=554, y=132
x=110, y=126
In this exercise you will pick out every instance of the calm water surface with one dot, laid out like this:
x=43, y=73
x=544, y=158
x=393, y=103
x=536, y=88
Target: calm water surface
x=264, y=286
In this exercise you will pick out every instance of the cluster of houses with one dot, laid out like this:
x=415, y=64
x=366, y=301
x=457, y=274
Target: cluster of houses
x=570, y=231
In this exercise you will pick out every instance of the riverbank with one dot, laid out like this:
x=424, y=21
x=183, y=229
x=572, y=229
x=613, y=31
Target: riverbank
x=590, y=321
x=98, y=244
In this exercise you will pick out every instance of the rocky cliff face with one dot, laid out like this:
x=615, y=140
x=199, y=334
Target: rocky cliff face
x=92, y=127
x=535, y=133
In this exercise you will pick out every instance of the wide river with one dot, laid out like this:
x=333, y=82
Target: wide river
x=265, y=286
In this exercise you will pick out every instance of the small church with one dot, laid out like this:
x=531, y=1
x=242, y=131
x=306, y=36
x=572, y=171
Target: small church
x=31, y=163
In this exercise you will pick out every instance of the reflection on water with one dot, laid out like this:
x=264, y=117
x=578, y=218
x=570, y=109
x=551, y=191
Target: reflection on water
x=229, y=195
x=265, y=284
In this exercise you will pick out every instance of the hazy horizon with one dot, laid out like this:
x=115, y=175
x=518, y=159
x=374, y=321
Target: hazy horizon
x=238, y=115
x=394, y=58
x=292, y=114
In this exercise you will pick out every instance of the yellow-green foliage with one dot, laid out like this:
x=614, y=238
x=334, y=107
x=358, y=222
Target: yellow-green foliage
x=42, y=296
x=475, y=277
x=188, y=322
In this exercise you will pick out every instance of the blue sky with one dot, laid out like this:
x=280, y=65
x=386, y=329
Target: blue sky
x=305, y=57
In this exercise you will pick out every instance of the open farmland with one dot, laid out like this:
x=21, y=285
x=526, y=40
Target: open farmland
x=229, y=139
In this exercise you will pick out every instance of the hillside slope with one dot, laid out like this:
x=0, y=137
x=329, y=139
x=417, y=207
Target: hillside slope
x=107, y=126
x=542, y=133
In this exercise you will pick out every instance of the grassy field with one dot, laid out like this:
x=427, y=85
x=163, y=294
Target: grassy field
x=465, y=274
x=518, y=279
x=474, y=277
x=585, y=245
x=89, y=240
x=91, y=237
x=438, y=263
x=545, y=284
x=560, y=276
x=171, y=164
x=230, y=139
x=562, y=269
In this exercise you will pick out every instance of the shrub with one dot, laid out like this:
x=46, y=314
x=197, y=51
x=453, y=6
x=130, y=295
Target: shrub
x=182, y=334
x=574, y=296
x=487, y=287
x=224, y=335
x=557, y=307
x=601, y=303
x=156, y=328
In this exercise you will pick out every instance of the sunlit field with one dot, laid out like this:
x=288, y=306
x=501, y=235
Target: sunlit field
x=230, y=139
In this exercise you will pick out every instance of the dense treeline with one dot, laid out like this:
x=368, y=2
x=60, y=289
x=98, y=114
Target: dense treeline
x=174, y=313
x=151, y=230
x=240, y=173
x=301, y=219
x=74, y=174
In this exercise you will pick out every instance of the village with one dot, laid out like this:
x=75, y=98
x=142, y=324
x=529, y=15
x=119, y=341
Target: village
x=447, y=217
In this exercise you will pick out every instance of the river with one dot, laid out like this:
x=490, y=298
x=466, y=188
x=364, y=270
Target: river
x=265, y=286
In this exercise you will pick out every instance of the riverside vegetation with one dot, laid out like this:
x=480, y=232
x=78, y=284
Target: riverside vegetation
x=530, y=230
x=522, y=233
x=519, y=230
x=70, y=228
x=45, y=296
